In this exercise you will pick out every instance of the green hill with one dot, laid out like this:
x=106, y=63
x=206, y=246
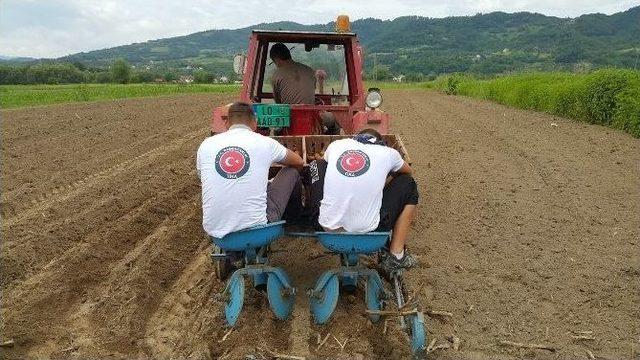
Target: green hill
x=484, y=43
x=417, y=47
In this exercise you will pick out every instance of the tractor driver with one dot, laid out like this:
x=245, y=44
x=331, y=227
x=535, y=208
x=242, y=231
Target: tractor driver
x=295, y=83
x=292, y=82
x=366, y=186
x=234, y=168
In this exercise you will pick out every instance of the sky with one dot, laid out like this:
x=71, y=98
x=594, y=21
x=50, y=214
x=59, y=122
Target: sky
x=54, y=28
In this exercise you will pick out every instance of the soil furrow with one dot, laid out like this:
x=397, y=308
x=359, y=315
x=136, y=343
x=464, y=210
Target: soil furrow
x=527, y=231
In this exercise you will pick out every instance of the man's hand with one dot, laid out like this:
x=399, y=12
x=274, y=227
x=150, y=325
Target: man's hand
x=405, y=169
x=292, y=159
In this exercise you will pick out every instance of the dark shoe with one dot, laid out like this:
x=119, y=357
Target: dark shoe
x=383, y=255
x=391, y=264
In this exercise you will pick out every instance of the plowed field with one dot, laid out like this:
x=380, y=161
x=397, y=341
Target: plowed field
x=528, y=231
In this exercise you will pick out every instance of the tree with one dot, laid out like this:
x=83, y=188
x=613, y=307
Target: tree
x=169, y=76
x=381, y=73
x=121, y=71
x=202, y=77
x=80, y=66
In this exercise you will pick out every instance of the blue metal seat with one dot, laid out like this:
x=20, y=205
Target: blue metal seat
x=253, y=244
x=251, y=238
x=353, y=243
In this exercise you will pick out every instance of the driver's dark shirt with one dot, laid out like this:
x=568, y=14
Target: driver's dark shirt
x=294, y=83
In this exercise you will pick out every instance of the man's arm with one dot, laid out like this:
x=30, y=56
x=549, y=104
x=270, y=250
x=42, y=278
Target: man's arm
x=398, y=166
x=292, y=159
x=405, y=169
x=275, y=89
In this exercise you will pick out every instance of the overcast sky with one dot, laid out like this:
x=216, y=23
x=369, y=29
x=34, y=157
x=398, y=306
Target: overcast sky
x=53, y=28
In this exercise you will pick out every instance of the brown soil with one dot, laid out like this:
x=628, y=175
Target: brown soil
x=528, y=232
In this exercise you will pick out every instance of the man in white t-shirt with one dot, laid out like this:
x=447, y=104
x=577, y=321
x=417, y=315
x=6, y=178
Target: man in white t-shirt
x=234, y=169
x=359, y=195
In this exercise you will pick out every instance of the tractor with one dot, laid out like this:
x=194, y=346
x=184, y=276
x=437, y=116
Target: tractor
x=340, y=96
x=342, y=108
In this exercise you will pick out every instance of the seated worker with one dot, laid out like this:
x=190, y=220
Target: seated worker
x=292, y=82
x=234, y=169
x=367, y=186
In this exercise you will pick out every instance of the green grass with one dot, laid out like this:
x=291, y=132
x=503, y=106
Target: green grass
x=608, y=97
x=14, y=96
x=392, y=85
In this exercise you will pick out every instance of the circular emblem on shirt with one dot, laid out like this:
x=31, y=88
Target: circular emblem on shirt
x=232, y=162
x=353, y=163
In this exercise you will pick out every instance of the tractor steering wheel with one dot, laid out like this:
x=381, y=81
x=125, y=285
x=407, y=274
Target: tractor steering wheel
x=319, y=100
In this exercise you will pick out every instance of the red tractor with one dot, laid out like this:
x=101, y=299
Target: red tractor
x=337, y=58
x=340, y=97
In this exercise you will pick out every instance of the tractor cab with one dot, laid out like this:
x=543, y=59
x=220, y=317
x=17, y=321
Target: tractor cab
x=336, y=58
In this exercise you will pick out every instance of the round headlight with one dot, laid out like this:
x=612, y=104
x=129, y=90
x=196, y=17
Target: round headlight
x=374, y=98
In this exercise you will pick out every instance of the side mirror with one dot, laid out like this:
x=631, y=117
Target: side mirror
x=239, y=62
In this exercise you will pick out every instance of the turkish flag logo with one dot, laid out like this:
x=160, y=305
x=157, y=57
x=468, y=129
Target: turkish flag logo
x=353, y=163
x=232, y=162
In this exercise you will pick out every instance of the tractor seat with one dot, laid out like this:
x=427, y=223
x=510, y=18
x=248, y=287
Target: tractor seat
x=353, y=243
x=251, y=238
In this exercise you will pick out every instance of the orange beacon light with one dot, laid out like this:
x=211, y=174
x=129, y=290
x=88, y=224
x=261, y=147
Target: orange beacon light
x=342, y=24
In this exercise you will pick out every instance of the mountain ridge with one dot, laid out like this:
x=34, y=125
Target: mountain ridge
x=483, y=43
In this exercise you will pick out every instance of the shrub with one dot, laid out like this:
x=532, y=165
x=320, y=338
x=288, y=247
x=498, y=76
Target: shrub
x=601, y=93
x=607, y=97
x=627, y=112
x=121, y=71
x=452, y=84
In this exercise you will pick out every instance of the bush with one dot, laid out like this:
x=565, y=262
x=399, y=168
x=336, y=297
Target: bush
x=121, y=71
x=607, y=97
x=452, y=85
x=627, y=111
x=202, y=77
x=601, y=93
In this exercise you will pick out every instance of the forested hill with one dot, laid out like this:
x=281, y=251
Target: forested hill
x=484, y=43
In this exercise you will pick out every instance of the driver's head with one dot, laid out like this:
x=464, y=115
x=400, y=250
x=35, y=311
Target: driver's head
x=279, y=53
x=241, y=113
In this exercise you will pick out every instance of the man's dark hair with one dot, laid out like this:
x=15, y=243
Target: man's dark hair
x=240, y=112
x=279, y=51
x=373, y=133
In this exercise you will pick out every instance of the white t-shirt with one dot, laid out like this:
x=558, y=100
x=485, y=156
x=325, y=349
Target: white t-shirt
x=353, y=184
x=234, y=169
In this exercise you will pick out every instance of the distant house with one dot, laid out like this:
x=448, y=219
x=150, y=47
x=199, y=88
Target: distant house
x=398, y=78
x=223, y=79
x=185, y=79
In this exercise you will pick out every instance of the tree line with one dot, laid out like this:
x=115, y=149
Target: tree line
x=120, y=71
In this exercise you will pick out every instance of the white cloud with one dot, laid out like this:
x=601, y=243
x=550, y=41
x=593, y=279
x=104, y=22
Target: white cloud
x=52, y=28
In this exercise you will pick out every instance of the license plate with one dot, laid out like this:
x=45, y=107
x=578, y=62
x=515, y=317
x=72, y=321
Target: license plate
x=273, y=115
